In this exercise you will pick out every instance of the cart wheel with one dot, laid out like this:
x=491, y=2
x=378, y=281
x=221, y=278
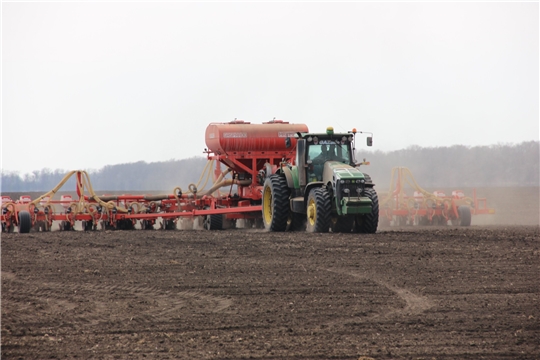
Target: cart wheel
x=25, y=222
x=213, y=222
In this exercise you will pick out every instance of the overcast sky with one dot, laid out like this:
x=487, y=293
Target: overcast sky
x=87, y=84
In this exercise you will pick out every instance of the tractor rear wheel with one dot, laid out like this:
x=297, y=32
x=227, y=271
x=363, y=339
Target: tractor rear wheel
x=25, y=222
x=464, y=215
x=275, y=203
x=367, y=223
x=318, y=210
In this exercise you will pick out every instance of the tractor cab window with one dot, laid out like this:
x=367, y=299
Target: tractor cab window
x=327, y=150
x=323, y=151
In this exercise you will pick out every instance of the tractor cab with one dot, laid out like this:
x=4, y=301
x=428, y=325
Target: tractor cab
x=323, y=151
x=321, y=148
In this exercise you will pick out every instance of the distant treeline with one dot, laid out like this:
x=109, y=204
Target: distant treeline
x=460, y=166
x=454, y=166
x=138, y=176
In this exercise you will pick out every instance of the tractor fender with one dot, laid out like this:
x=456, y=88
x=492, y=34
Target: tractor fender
x=270, y=169
x=289, y=176
x=310, y=186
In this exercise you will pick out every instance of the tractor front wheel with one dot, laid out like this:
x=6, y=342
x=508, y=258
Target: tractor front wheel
x=275, y=203
x=368, y=223
x=318, y=210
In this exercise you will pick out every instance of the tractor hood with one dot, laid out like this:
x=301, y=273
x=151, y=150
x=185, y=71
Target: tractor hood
x=335, y=171
x=348, y=186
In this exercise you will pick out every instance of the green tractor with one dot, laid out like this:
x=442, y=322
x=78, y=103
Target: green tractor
x=323, y=191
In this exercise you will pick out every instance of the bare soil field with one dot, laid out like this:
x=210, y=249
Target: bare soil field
x=402, y=293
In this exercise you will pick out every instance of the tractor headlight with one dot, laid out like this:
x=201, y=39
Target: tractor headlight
x=342, y=181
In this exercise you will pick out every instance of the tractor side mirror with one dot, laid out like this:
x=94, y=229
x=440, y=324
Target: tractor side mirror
x=369, y=141
x=287, y=142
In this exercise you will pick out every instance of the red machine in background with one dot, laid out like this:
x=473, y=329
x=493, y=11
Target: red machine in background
x=248, y=151
x=425, y=208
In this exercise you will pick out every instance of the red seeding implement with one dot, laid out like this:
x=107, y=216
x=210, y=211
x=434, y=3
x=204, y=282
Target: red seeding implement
x=425, y=208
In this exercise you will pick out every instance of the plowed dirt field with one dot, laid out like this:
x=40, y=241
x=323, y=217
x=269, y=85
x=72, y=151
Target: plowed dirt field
x=443, y=293
x=402, y=293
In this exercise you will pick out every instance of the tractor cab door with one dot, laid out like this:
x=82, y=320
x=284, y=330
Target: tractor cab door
x=316, y=157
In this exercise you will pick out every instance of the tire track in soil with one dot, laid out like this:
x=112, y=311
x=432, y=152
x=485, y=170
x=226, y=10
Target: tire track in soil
x=415, y=304
x=95, y=304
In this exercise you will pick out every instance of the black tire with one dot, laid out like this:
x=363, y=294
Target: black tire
x=319, y=211
x=25, y=222
x=275, y=203
x=464, y=215
x=368, y=223
x=213, y=222
x=342, y=224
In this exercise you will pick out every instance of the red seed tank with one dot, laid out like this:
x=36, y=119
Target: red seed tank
x=243, y=137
